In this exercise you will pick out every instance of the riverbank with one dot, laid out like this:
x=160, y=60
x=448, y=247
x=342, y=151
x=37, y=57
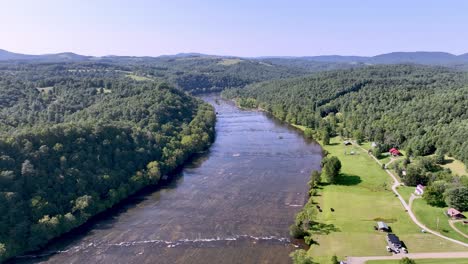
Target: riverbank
x=232, y=204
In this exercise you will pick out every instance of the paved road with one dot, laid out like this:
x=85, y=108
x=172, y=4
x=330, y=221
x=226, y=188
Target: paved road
x=439, y=255
x=407, y=207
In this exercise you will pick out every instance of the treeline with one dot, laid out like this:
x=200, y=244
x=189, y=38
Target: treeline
x=442, y=187
x=420, y=109
x=82, y=145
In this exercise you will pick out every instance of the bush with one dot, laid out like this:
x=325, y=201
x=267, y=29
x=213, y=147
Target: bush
x=300, y=257
x=407, y=260
x=334, y=260
x=297, y=231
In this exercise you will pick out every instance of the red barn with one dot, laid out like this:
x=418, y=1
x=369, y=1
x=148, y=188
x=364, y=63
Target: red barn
x=394, y=152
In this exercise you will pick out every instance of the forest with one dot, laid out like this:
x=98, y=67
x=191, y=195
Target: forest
x=76, y=142
x=417, y=108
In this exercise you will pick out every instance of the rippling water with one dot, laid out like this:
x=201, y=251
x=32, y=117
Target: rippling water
x=232, y=204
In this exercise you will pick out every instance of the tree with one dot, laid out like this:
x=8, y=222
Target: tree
x=334, y=260
x=300, y=257
x=434, y=193
x=331, y=167
x=359, y=136
x=414, y=176
x=309, y=133
x=457, y=198
x=2, y=250
x=407, y=260
x=325, y=137
x=315, y=178
x=439, y=157
x=297, y=231
x=377, y=152
x=153, y=171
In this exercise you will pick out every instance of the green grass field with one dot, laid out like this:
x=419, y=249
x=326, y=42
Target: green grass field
x=405, y=192
x=363, y=197
x=138, y=78
x=462, y=227
x=428, y=215
x=422, y=261
x=456, y=166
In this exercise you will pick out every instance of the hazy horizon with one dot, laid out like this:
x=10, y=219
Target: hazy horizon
x=243, y=29
x=230, y=55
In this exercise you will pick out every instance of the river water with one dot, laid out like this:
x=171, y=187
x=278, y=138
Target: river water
x=233, y=204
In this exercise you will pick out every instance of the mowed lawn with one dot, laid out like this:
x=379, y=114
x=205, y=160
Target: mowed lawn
x=422, y=261
x=363, y=197
x=456, y=166
x=428, y=215
x=462, y=227
x=406, y=192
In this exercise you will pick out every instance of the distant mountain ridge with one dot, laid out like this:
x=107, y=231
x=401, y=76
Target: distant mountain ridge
x=418, y=57
x=64, y=56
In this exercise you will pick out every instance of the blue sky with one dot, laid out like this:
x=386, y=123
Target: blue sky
x=240, y=27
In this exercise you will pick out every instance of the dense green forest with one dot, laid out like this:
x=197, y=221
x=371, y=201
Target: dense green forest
x=421, y=109
x=74, y=141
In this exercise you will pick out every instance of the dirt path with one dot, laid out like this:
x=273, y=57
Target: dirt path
x=439, y=255
x=451, y=223
x=407, y=207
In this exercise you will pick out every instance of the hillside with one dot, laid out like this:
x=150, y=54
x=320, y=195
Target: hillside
x=74, y=145
x=421, y=109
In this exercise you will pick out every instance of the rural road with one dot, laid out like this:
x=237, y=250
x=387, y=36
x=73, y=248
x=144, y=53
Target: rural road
x=439, y=255
x=407, y=207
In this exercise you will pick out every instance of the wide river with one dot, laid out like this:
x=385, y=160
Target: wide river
x=233, y=204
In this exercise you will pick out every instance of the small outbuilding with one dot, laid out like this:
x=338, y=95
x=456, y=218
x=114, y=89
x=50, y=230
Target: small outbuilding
x=373, y=144
x=455, y=214
x=419, y=189
x=382, y=226
x=347, y=143
x=395, y=152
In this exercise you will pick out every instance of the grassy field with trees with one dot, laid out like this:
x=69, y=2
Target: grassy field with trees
x=348, y=229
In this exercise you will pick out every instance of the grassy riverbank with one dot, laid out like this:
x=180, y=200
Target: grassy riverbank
x=362, y=197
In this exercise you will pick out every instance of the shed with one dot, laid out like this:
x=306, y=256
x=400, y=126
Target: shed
x=382, y=226
x=373, y=144
x=419, y=189
x=347, y=142
x=394, y=152
x=454, y=213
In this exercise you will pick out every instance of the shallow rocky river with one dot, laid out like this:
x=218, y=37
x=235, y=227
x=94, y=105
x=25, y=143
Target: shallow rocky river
x=232, y=204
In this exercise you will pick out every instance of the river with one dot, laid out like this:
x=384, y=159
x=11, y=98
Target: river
x=232, y=204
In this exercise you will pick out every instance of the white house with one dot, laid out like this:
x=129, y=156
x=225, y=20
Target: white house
x=419, y=189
